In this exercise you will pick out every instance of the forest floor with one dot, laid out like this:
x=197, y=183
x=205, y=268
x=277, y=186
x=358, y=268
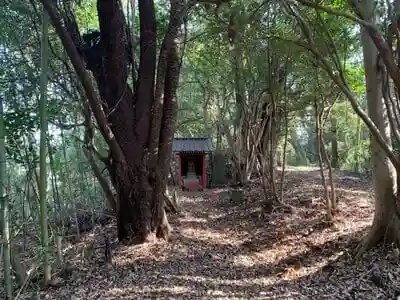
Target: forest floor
x=225, y=250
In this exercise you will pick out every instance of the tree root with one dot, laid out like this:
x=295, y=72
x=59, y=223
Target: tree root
x=382, y=230
x=171, y=201
x=170, y=204
x=373, y=237
x=164, y=229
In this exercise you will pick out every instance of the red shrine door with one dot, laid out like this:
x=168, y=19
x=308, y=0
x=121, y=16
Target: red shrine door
x=192, y=171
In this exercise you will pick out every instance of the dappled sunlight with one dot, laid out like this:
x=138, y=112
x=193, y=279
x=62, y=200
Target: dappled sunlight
x=299, y=169
x=215, y=236
x=221, y=249
x=221, y=281
x=319, y=187
x=241, y=260
x=147, y=291
x=210, y=287
x=190, y=220
x=354, y=193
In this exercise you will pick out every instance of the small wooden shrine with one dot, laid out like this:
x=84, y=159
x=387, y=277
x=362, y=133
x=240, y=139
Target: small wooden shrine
x=191, y=162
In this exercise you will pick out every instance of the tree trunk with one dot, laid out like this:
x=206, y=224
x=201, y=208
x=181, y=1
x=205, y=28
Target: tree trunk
x=44, y=235
x=129, y=114
x=18, y=267
x=285, y=142
x=5, y=212
x=386, y=222
x=334, y=143
x=138, y=124
x=319, y=138
x=330, y=172
x=111, y=203
x=272, y=152
x=356, y=166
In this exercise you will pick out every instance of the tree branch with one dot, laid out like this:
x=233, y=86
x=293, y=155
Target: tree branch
x=344, y=87
x=85, y=79
x=336, y=12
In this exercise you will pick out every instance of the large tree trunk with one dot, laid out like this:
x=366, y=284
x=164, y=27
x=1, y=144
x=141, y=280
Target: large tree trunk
x=386, y=218
x=139, y=124
x=130, y=124
x=141, y=183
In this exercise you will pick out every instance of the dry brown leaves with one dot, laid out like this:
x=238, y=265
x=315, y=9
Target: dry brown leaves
x=225, y=250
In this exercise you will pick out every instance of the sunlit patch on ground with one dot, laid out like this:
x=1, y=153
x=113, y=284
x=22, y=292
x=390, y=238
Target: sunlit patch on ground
x=225, y=250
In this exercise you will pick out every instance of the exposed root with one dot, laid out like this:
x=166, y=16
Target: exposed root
x=380, y=232
x=394, y=233
x=162, y=233
x=171, y=202
x=327, y=223
x=164, y=229
x=373, y=237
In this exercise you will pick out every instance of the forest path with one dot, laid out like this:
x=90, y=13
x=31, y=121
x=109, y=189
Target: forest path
x=225, y=250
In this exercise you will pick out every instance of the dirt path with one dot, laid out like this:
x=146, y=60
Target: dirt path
x=225, y=250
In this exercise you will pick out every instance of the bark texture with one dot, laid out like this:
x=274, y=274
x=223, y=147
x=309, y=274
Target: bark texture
x=137, y=122
x=334, y=143
x=386, y=222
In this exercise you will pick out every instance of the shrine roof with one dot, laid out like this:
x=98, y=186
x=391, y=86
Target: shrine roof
x=196, y=144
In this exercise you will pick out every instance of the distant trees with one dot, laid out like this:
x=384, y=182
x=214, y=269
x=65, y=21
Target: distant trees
x=381, y=71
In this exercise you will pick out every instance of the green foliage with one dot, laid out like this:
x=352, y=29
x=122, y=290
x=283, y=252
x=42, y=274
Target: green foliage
x=355, y=78
x=207, y=91
x=19, y=89
x=215, y=70
x=354, y=140
x=86, y=15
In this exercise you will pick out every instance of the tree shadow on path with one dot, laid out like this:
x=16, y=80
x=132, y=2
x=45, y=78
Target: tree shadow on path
x=225, y=250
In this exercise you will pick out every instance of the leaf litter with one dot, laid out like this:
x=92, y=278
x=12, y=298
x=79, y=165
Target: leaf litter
x=225, y=250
